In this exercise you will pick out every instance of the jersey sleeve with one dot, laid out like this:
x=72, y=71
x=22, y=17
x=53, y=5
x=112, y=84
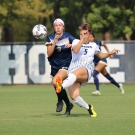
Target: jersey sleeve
x=75, y=42
x=48, y=41
x=101, y=43
x=71, y=38
x=97, y=49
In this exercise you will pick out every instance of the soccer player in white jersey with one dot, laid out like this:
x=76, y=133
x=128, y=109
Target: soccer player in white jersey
x=81, y=67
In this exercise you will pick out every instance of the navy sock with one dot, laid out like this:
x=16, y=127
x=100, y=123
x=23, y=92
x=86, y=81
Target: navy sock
x=96, y=81
x=59, y=96
x=111, y=80
x=65, y=97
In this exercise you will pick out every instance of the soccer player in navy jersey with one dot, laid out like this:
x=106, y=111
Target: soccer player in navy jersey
x=59, y=56
x=100, y=68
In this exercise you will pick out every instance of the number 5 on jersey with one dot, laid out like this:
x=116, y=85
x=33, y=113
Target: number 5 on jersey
x=85, y=51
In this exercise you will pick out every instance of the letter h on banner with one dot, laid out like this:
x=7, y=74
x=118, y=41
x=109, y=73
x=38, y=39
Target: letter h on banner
x=12, y=64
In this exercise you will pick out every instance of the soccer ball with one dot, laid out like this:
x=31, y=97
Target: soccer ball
x=39, y=31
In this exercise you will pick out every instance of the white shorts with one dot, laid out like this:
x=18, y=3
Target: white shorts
x=82, y=64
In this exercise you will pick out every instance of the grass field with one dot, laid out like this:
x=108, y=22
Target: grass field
x=30, y=110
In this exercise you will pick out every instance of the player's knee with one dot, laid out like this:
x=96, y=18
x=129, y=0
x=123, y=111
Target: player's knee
x=73, y=97
x=54, y=82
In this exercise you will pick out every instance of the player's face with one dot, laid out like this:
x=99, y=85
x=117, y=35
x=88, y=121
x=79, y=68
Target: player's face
x=58, y=27
x=91, y=38
x=85, y=35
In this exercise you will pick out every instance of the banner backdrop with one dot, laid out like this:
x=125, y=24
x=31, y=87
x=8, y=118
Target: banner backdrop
x=28, y=64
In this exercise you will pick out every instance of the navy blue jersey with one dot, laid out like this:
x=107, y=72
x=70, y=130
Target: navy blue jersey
x=61, y=56
x=97, y=59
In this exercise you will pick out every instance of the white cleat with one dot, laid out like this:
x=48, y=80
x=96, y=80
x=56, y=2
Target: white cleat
x=121, y=88
x=97, y=92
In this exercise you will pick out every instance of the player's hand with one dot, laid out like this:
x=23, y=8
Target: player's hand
x=84, y=36
x=56, y=38
x=48, y=43
x=68, y=45
x=111, y=56
x=114, y=51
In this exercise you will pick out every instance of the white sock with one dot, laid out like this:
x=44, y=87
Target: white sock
x=69, y=81
x=79, y=101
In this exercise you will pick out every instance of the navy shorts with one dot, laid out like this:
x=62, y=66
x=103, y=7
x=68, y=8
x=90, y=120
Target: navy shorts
x=101, y=61
x=55, y=71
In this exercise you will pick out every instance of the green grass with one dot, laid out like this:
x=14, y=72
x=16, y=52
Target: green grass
x=30, y=110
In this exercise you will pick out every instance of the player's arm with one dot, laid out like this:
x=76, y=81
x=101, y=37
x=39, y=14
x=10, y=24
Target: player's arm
x=50, y=49
x=107, y=49
x=106, y=55
x=51, y=46
x=78, y=46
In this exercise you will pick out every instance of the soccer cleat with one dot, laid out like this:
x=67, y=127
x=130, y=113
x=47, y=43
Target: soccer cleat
x=58, y=85
x=59, y=106
x=91, y=111
x=97, y=92
x=121, y=88
x=68, y=109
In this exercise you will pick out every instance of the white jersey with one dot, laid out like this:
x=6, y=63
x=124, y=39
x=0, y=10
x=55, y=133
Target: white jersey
x=84, y=58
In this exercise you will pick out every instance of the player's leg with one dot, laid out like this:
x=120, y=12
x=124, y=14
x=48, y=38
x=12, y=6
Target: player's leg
x=98, y=68
x=74, y=92
x=59, y=105
x=112, y=80
x=79, y=75
x=62, y=73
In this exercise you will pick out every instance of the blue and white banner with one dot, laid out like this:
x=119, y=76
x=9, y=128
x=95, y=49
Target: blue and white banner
x=24, y=64
x=28, y=64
